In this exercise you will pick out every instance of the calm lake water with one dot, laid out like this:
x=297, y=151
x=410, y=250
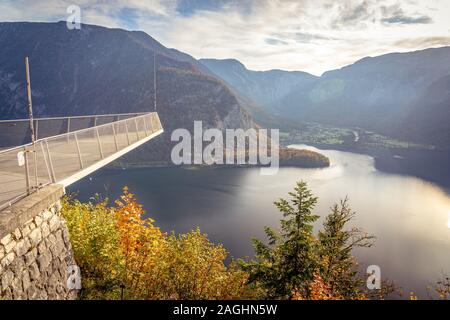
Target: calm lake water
x=410, y=217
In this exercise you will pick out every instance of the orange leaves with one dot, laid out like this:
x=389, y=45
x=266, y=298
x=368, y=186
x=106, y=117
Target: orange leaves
x=123, y=255
x=318, y=289
x=140, y=246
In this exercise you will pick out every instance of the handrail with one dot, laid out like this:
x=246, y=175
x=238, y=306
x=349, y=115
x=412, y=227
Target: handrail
x=76, y=117
x=98, y=126
x=77, y=131
x=47, y=127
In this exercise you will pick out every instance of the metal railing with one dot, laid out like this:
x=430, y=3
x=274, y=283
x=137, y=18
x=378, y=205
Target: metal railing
x=17, y=132
x=57, y=158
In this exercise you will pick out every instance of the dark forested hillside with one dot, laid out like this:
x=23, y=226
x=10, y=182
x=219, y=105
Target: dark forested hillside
x=375, y=93
x=428, y=118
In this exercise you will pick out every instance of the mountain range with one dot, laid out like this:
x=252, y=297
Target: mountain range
x=404, y=95
x=99, y=70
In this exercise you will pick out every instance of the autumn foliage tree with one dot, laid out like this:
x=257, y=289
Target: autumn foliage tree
x=123, y=255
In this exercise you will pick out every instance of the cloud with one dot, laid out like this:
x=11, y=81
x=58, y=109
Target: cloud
x=423, y=42
x=394, y=14
x=190, y=7
x=352, y=13
x=401, y=19
x=310, y=35
x=276, y=42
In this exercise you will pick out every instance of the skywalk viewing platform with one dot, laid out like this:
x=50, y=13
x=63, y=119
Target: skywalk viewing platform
x=66, y=149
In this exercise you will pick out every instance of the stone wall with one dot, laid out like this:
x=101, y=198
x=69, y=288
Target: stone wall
x=35, y=251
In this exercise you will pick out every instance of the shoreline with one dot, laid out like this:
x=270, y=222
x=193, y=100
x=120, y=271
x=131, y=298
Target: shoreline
x=429, y=165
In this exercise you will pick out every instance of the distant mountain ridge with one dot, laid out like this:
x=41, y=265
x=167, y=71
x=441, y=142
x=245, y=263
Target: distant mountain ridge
x=400, y=94
x=267, y=88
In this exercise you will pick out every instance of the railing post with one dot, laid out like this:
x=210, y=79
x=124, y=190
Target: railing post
x=36, y=175
x=137, y=129
x=45, y=161
x=79, y=151
x=151, y=123
x=99, y=143
x=36, y=129
x=52, y=170
x=27, y=173
x=115, y=137
x=126, y=130
x=145, y=125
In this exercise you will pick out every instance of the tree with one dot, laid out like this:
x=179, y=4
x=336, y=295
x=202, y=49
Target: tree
x=95, y=238
x=123, y=255
x=339, y=267
x=286, y=266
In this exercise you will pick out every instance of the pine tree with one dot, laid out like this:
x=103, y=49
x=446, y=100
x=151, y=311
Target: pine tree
x=339, y=267
x=288, y=262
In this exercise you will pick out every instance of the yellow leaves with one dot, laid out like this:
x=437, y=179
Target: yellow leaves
x=123, y=255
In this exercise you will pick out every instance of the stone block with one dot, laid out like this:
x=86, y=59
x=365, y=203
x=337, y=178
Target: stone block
x=42, y=248
x=22, y=247
x=34, y=272
x=7, y=260
x=35, y=237
x=17, y=234
x=7, y=279
x=66, y=236
x=6, y=239
x=32, y=292
x=16, y=288
x=30, y=257
x=26, y=282
x=52, y=239
x=42, y=295
x=26, y=231
x=46, y=215
x=38, y=221
x=10, y=246
x=45, y=229
x=7, y=294
x=18, y=266
x=54, y=223
x=44, y=261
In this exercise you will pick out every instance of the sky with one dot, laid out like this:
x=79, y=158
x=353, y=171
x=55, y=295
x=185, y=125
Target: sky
x=307, y=35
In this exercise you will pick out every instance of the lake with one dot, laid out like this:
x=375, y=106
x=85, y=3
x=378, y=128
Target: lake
x=409, y=216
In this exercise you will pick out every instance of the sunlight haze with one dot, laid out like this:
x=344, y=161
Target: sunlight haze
x=312, y=36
